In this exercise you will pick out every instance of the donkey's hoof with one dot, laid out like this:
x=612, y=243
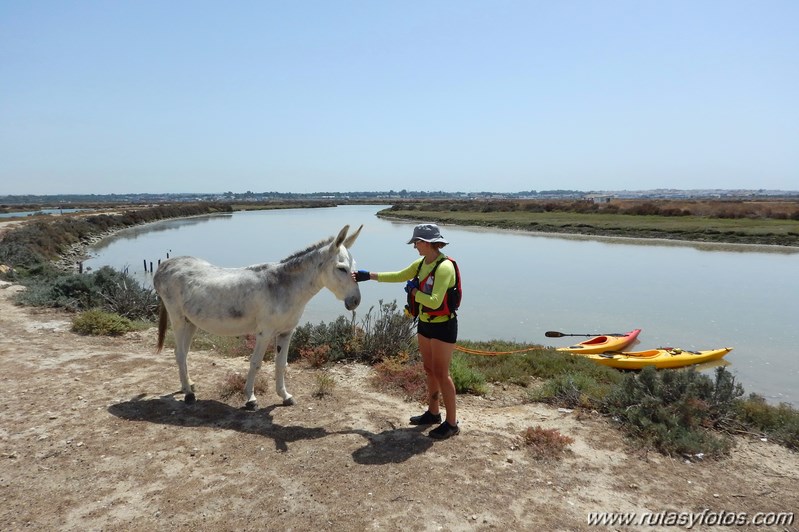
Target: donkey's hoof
x=250, y=405
x=289, y=401
x=189, y=399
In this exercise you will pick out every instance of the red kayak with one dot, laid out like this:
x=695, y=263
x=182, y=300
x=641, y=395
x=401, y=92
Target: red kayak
x=603, y=344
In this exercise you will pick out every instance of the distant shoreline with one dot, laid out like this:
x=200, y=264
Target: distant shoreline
x=579, y=229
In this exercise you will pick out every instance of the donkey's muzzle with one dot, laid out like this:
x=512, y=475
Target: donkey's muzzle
x=352, y=302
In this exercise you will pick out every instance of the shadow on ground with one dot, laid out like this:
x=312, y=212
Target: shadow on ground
x=389, y=446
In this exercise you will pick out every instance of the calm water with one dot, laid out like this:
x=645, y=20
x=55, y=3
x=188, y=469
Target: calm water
x=517, y=286
x=43, y=211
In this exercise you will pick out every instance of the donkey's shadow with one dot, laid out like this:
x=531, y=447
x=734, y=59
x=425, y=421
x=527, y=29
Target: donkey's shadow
x=390, y=446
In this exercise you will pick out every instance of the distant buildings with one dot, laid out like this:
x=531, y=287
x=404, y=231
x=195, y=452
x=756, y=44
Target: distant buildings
x=596, y=196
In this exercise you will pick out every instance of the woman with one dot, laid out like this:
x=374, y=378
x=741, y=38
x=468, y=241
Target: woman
x=437, y=330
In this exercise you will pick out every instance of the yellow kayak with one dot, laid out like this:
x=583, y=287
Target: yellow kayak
x=601, y=344
x=660, y=358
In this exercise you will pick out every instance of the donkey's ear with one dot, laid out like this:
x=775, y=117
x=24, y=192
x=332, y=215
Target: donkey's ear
x=340, y=238
x=351, y=239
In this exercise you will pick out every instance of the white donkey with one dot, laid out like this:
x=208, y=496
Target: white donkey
x=264, y=299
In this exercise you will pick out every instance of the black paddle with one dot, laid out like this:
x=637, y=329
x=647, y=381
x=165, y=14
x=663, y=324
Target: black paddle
x=556, y=334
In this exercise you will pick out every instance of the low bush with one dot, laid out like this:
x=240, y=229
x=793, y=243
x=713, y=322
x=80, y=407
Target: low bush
x=401, y=376
x=333, y=341
x=325, y=384
x=108, y=289
x=465, y=377
x=120, y=293
x=545, y=444
x=387, y=333
x=100, y=323
x=675, y=411
x=779, y=423
x=316, y=356
x=577, y=390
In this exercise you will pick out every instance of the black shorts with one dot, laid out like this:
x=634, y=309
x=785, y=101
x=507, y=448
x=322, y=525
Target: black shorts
x=446, y=331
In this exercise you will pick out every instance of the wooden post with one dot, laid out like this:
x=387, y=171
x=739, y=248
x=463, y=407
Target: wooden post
x=151, y=266
x=145, y=265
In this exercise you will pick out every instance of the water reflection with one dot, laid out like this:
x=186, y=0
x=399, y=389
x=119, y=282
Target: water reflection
x=135, y=232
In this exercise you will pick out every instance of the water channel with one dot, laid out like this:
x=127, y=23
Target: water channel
x=519, y=285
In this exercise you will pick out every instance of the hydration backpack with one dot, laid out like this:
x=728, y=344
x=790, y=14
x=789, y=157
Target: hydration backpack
x=453, y=299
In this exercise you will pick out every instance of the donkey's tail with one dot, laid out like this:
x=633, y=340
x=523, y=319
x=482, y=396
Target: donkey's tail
x=162, y=317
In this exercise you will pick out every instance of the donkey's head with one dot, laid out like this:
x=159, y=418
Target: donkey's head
x=337, y=272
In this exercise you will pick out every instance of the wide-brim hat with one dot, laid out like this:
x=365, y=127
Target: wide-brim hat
x=428, y=233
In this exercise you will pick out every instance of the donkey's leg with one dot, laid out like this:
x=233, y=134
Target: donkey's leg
x=256, y=360
x=184, y=333
x=281, y=361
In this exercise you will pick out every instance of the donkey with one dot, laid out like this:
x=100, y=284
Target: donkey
x=264, y=299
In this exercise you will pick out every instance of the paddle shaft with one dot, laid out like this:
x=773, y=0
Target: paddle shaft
x=556, y=334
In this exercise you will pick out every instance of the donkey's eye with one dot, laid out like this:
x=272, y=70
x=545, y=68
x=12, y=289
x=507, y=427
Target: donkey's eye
x=343, y=269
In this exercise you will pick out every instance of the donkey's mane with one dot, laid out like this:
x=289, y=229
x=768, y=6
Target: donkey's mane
x=294, y=260
x=300, y=256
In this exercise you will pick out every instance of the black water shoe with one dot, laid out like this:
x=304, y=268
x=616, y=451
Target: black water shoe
x=426, y=419
x=444, y=431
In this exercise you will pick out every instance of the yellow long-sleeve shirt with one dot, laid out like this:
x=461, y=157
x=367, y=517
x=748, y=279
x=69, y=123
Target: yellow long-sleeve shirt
x=430, y=297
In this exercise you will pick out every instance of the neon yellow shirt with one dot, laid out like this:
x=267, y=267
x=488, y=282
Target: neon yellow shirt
x=443, y=281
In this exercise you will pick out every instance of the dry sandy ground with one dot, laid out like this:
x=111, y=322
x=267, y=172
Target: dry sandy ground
x=93, y=437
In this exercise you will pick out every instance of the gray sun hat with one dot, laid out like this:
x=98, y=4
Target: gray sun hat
x=428, y=233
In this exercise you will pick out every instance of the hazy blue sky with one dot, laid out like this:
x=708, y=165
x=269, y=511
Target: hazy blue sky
x=310, y=96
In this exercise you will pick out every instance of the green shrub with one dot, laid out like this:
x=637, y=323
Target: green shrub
x=572, y=391
x=120, y=293
x=69, y=291
x=387, y=334
x=466, y=378
x=510, y=368
x=535, y=362
x=100, y=323
x=106, y=288
x=675, y=410
x=780, y=423
x=337, y=339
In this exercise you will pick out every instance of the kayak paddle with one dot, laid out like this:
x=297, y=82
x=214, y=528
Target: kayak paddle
x=556, y=334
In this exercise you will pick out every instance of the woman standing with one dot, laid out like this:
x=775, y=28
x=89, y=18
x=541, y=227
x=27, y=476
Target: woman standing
x=428, y=280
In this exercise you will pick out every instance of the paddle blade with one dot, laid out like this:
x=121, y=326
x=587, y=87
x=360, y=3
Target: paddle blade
x=554, y=334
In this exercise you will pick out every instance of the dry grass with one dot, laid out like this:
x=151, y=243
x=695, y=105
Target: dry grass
x=233, y=385
x=545, y=444
x=325, y=384
x=400, y=376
